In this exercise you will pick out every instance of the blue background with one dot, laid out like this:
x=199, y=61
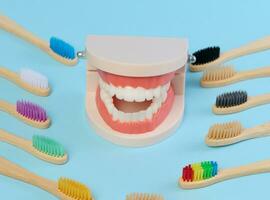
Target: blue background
x=112, y=171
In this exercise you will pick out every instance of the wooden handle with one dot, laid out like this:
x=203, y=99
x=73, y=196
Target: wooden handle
x=15, y=78
x=251, y=102
x=12, y=170
x=256, y=46
x=15, y=141
x=254, y=168
x=12, y=27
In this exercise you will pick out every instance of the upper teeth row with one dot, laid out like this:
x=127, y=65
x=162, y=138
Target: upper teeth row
x=131, y=94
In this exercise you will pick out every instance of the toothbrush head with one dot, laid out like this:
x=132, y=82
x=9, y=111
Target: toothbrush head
x=199, y=171
x=34, y=79
x=206, y=55
x=224, y=131
x=218, y=74
x=74, y=189
x=143, y=196
x=231, y=99
x=62, y=48
x=48, y=146
x=31, y=111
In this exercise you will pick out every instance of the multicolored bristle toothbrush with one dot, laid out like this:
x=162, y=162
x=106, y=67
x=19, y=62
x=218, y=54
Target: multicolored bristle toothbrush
x=40, y=146
x=64, y=189
x=232, y=102
x=29, y=113
x=207, y=173
x=233, y=132
x=29, y=80
x=144, y=196
x=221, y=76
x=210, y=56
x=57, y=48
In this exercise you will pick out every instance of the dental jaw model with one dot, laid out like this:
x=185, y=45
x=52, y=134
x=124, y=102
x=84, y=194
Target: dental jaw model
x=135, y=87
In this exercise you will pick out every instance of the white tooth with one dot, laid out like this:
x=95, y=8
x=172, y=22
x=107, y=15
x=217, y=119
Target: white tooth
x=129, y=94
x=121, y=116
x=140, y=94
x=156, y=92
x=163, y=97
x=115, y=114
x=127, y=117
x=149, y=113
x=149, y=94
x=119, y=93
x=154, y=107
x=110, y=108
x=141, y=116
x=112, y=90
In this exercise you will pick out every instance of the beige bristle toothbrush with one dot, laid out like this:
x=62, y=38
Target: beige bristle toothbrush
x=27, y=112
x=207, y=173
x=64, y=188
x=210, y=56
x=28, y=79
x=221, y=76
x=144, y=196
x=56, y=48
x=42, y=147
x=233, y=132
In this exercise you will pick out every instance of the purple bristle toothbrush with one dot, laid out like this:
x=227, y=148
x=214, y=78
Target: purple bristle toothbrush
x=28, y=112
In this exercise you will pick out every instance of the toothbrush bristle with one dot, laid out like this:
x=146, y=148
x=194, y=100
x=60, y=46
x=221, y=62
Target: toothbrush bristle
x=34, y=78
x=31, y=111
x=225, y=130
x=62, y=48
x=48, y=146
x=143, y=196
x=199, y=171
x=74, y=189
x=206, y=55
x=231, y=99
x=218, y=73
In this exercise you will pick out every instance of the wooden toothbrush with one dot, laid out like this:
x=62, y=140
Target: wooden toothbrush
x=206, y=173
x=221, y=76
x=210, y=56
x=27, y=112
x=64, y=189
x=233, y=132
x=57, y=48
x=233, y=102
x=144, y=196
x=42, y=147
x=29, y=80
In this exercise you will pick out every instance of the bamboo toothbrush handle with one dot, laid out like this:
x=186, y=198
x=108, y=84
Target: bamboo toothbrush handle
x=256, y=46
x=255, y=73
x=254, y=168
x=257, y=131
x=12, y=27
x=258, y=100
x=7, y=107
x=12, y=170
x=14, y=140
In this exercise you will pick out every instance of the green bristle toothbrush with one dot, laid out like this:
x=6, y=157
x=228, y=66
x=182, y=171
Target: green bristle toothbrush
x=42, y=147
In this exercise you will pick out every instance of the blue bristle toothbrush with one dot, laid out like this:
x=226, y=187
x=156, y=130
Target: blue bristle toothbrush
x=56, y=48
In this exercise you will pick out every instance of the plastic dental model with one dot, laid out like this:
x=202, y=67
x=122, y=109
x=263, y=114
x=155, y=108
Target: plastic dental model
x=135, y=87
